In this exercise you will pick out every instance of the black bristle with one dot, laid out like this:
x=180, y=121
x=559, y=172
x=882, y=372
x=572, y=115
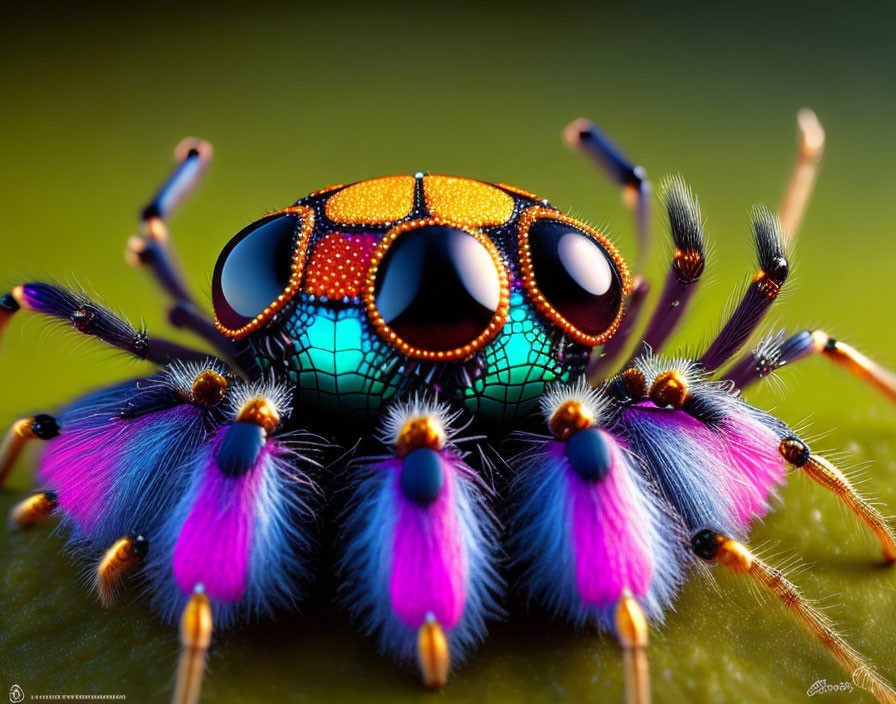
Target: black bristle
x=9, y=303
x=708, y=408
x=139, y=546
x=686, y=226
x=768, y=355
x=685, y=218
x=769, y=243
x=44, y=426
x=705, y=544
x=151, y=399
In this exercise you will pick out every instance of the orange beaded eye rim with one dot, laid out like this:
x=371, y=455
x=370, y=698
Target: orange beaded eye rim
x=391, y=337
x=527, y=272
x=300, y=252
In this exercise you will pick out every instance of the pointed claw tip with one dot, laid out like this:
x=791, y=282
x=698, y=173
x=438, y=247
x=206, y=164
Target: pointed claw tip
x=572, y=133
x=191, y=145
x=433, y=655
x=118, y=561
x=34, y=510
x=196, y=621
x=631, y=622
x=811, y=133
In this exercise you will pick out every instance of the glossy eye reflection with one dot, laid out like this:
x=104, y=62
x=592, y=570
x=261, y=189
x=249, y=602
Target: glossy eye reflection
x=575, y=274
x=437, y=287
x=254, y=269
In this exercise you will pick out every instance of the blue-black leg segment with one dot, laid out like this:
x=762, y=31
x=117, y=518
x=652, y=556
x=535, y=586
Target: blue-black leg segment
x=587, y=137
x=761, y=293
x=153, y=247
x=775, y=352
x=90, y=318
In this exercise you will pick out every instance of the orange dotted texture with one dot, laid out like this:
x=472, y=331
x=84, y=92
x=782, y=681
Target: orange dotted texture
x=465, y=201
x=379, y=201
x=338, y=265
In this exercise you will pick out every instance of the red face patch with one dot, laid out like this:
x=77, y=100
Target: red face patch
x=338, y=265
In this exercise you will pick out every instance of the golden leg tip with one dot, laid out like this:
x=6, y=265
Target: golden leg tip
x=33, y=510
x=124, y=555
x=631, y=630
x=432, y=654
x=195, y=638
x=13, y=443
x=41, y=427
x=823, y=472
x=135, y=251
x=631, y=623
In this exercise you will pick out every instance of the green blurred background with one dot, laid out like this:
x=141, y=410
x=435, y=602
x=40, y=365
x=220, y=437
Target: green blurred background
x=295, y=98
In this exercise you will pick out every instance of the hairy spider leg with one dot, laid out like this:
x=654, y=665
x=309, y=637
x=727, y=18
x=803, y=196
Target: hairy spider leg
x=196, y=625
x=152, y=247
x=595, y=543
x=718, y=548
x=588, y=138
x=90, y=318
x=688, y=262
x=760, y=294
x=775, y=352
x=752, y=443
x=796, y=200
x=689, y=253
x=773, y=237
x=810, y=149
x=234, y=542
x=824, y=473
x=420, y=552
x=39, y=427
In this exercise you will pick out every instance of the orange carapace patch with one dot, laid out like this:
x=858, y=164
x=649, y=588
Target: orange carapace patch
x=519, y=191
x=379, y=201
x=338, y=265
x=463, y=200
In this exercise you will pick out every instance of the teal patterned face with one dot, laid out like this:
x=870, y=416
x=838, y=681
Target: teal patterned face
x=340, y=365
x=484, y=294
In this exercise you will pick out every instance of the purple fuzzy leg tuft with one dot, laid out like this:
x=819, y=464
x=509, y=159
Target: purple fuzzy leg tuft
x=690, y=465
x=429, y=567
x=115, y=475
x=214, y=544
x=243, y=536
x=753, y=449
x=583, y=543
x=404, y=560
x=609, y=529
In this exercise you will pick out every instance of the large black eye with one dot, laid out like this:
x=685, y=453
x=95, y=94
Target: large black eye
x=438, y=288
x=254, y=269
x=575, y=274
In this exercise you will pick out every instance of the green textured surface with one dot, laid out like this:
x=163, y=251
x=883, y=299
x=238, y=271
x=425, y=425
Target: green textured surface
x=339, y=366
x=343, y=369
x=518, y=364
x=298, y=98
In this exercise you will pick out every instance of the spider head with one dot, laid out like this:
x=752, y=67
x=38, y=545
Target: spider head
x=491, y=282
